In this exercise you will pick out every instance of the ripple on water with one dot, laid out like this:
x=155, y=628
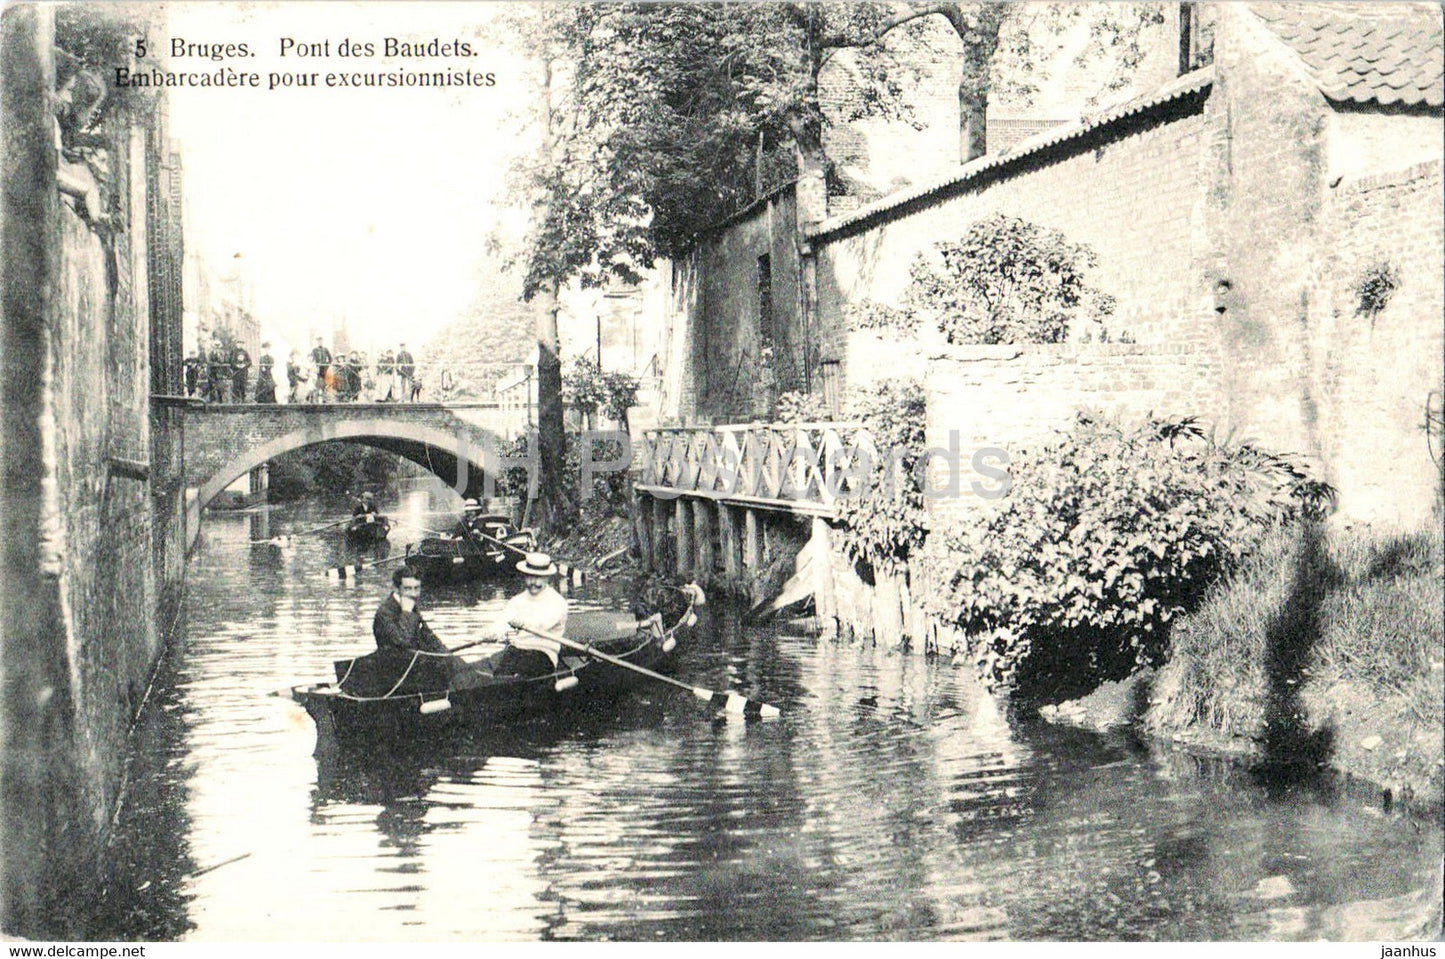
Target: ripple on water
x=893, y=800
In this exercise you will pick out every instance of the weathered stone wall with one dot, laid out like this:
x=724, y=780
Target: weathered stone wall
x=1011, y=397
x=1377, y=373
x=1303, y=196
x=83, y=618
x=1133, y=194
x=725, y=331
x=1265, y=168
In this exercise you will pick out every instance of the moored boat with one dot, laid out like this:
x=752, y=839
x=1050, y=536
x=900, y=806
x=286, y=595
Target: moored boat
x=366, y=529
x=480, y=548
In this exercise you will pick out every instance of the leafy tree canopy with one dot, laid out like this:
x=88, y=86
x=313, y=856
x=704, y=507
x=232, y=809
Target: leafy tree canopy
x=665, y=118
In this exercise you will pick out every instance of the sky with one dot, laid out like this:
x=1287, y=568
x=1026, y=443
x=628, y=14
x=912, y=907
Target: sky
x=373, y=205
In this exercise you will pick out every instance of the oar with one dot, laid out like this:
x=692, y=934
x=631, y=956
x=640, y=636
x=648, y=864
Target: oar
x=341, y=572
x=307, y=532
x=492, y=539
x=423, y=529
x=728, y=702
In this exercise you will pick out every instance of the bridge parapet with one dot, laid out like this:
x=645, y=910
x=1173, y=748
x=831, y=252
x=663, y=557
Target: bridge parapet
x=221, y=442
x=798, y=467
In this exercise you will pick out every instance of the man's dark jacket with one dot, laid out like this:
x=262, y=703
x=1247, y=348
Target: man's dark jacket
x=394, y=628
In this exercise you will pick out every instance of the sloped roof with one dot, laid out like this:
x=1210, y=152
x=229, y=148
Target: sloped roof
x=1177, y=89
x=1378, y=53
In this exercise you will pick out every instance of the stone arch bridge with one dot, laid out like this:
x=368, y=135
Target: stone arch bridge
x=216, y=444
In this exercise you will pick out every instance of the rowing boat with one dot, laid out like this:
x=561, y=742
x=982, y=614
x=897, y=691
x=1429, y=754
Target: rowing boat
x=486, y=548
x=393, y=692
x=366, y=529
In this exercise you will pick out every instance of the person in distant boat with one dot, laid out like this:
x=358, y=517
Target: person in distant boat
x=365, y=505
x=398, y=624
x=538, y=608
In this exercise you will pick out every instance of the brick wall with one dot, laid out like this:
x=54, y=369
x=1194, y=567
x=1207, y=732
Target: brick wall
x=84, y=508
x=1376, y=374
x=872, y=156
x=1011, y=397
x=1134, y=196
x=724, y=330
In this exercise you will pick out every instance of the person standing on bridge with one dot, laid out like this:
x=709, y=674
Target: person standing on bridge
x=265, y=382
x=321, y=359
x=240, y=373
x=405, y=371
x=295, y=376
x=193, y=365
x=386, y=377
x=220, y=369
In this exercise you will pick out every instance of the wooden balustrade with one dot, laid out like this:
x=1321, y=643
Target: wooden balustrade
x=800, y=467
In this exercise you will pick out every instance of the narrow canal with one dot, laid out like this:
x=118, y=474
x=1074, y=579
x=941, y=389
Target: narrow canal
x=891, y=801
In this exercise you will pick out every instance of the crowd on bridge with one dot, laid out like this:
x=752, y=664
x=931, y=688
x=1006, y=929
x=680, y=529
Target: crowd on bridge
x=222, y=375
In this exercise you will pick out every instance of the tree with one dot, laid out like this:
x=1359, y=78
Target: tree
x=669, y=117
x=659, y=120
x=999, y=50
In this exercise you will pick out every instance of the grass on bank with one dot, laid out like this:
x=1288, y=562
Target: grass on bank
x=1342, y=627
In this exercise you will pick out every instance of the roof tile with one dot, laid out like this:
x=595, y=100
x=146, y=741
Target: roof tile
x=1375, y=52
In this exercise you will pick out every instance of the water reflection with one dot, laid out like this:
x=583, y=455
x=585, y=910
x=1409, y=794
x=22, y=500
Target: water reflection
x=893, y=800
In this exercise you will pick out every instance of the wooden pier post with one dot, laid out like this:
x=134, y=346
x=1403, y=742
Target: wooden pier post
x=642, y=529
x=730, y=542
x=682, y=513
x=702, y=520
x=659, y=511
x=752, y=540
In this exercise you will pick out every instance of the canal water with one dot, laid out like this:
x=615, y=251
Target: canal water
x=893, y=800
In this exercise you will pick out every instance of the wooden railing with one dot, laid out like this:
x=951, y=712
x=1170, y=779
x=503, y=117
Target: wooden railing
x=801, y=467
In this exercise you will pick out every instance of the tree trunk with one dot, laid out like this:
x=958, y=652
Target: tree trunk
x=551, y=435
x=972, y=125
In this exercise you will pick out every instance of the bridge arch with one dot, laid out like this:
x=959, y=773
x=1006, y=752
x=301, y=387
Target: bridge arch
x=464, y=453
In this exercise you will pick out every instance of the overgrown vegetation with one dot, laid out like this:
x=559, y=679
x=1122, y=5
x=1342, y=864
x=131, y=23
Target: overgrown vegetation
x=1373, y=659
x=1375, y=286
x=1107, y=535
x=1006, y=280
x=590, y=391
x=93, y=41
x=884, y=522
x=608, y=494
x=331, y=469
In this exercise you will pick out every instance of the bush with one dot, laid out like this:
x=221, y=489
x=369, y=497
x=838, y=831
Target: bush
x=589, y=390
x=885, y=522
x=611, y=492
x=1106, y=536
x=1004, y=281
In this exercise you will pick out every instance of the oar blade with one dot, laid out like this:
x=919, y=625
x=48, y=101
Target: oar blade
x=735, y=704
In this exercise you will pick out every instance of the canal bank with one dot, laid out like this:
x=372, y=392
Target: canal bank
x=1324, y=651
x=655, y=821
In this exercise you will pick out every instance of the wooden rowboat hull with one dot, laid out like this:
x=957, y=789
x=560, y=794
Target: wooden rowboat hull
x=359, y=532
x=470, y=698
